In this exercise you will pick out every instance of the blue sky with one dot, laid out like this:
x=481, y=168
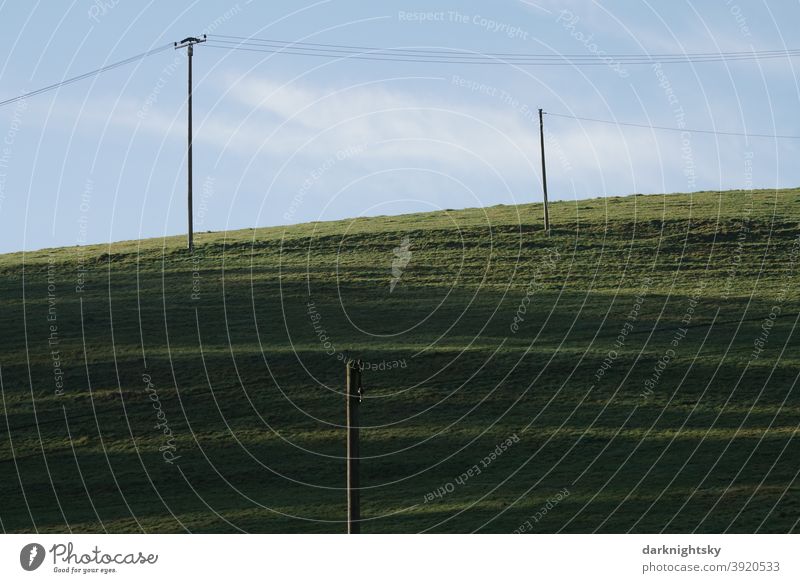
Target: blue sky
x=284, y=139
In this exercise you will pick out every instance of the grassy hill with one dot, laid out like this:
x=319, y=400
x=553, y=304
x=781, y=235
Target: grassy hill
x=635, y=371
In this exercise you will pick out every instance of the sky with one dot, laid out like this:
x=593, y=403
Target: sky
x=284, y=139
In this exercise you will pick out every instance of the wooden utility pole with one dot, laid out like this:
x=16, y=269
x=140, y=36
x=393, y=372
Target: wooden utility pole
x=189, y=43
x=544, y=176
x=353, y=394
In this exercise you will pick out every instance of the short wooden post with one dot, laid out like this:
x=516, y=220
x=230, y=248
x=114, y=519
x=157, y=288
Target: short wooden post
x=544, y=177
x=353, y=397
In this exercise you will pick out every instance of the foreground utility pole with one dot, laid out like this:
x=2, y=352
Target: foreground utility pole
x=353, y=394
x=544, y=176
x=189, y=43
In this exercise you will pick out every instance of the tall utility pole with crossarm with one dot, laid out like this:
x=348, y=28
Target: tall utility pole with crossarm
x=189, y=43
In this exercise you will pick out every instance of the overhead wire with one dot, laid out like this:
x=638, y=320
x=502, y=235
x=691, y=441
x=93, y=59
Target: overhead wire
x=675, y=129
x=455, y=56
x=450, y=56
x=477, y=60
x=103, y=69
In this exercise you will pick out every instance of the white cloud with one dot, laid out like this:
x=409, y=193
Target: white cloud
x=321, y=121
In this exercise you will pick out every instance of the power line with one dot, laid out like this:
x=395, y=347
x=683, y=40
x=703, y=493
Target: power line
x=85, y=75
x=474, y=57
x=484, y=58
x=454, y=51
x=674, y=129
x=462, y=60
x=463, y=51
x=450, y=56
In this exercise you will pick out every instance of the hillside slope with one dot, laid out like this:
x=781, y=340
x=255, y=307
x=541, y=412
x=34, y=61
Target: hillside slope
x=635, y=371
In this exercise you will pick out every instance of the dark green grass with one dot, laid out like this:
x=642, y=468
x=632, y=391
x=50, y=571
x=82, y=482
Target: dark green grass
x=253, y=399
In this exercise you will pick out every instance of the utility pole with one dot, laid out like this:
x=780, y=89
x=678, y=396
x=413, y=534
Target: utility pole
x=544, y=176
x=189, y=43
x=353, y=394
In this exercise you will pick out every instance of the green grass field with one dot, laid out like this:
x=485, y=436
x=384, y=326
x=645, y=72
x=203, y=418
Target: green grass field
x=640, y=366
